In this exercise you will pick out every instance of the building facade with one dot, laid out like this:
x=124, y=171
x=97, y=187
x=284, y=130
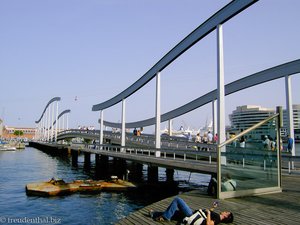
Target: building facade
x=296, y=116
x=246, y=116
x=9, y=133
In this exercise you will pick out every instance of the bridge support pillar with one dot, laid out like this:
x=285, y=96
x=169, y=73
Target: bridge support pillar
x=74, y=154
x=136, y=171
x=97, y=158
x=170, y=175
x=87, y=159
x=101, y=166
x=119, y=168
x=152, y=174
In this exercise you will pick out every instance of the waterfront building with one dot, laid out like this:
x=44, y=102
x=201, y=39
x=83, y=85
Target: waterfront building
x=296, y=116
x=243, y=117
x=8, y=132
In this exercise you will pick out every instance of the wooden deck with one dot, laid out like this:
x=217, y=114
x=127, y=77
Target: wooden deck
x=272, y=209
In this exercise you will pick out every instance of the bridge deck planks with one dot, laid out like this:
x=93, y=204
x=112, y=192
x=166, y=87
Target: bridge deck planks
x=271, y=209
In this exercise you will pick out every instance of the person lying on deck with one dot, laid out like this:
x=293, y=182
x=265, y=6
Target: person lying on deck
x=178, y=210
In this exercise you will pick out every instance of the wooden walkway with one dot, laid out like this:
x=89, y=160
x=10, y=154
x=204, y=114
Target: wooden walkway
x=272, y=209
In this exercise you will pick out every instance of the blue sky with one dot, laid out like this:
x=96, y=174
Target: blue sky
x=95, y=49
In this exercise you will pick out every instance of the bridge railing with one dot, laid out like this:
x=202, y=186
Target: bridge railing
x=182, y=159
x=250, y=162
x=167, y=142
x=181, y=149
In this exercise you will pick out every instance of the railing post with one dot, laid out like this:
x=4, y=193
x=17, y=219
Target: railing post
x=279, y=125
x=221, y=104
x=170, y=128
x=48, y=124
x=56, y=118
x=67, y=123
x=214, y=115
x=44, y=127
x=63, y=122
x=157, y=115
x=52, y=122
x=59, y=125
x=221, y=89
x=123, y=124
x=101, y=129
x=289, y=112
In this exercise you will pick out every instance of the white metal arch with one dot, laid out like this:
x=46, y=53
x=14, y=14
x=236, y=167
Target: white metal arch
x=220, y=17
x=267, y=75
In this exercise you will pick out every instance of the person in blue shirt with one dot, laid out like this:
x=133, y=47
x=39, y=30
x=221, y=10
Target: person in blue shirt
x=290, y=143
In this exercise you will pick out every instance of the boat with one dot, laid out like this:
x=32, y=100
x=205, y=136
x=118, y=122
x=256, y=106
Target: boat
x=7, y=148
x=55, y=187
x=20, y=145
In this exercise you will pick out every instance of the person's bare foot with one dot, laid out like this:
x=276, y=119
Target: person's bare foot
x=160, y=219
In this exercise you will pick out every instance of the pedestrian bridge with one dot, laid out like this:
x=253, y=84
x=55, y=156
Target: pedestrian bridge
x=256, y=169
x=173, y=148
x=252, y=166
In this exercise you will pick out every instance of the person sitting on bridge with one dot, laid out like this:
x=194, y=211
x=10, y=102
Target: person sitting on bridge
x=228, y=184
x=135, y=132
x=180, y=211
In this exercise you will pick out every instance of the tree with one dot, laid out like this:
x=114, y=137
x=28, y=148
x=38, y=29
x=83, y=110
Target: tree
x=18, y=133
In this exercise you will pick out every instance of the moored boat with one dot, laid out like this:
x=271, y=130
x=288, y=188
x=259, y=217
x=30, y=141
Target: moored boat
x=55, y=187
x=7, y=148
x=20, y=145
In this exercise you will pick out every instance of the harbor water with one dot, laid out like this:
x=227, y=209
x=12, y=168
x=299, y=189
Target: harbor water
x=30, y=165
